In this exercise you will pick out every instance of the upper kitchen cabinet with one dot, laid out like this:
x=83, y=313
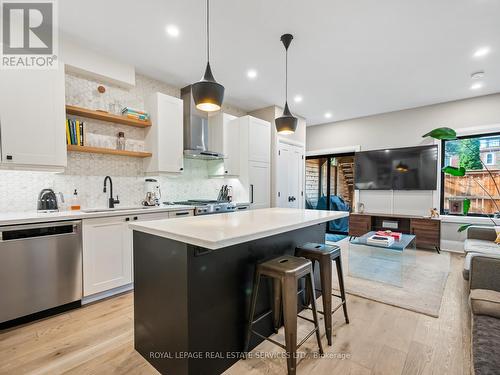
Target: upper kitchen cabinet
x=255, y=161
x=165, y=138
x=224, y=135
x=32, y=118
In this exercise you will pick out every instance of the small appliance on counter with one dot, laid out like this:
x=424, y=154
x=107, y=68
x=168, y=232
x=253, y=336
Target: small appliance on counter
x=152, y=192
x=47, y=201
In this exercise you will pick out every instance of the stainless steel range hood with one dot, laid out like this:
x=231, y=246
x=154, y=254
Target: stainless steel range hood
x=196, y=141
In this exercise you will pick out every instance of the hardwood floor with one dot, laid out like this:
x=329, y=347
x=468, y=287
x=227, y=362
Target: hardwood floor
x=381, y=339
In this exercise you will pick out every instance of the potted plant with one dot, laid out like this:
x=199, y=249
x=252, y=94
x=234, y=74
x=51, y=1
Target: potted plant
x=449, y=134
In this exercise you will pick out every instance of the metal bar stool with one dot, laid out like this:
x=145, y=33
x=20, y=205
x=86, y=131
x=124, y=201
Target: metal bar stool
x=285, y=271
x=324, y=254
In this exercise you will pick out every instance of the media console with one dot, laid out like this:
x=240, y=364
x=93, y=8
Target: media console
x=427, y=231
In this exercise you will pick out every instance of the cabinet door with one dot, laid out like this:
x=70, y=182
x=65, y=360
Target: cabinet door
x=232, y=147
x=259, y=140
x=165, y=138
x=260, y=184
x=107, y=254
x=32, y=117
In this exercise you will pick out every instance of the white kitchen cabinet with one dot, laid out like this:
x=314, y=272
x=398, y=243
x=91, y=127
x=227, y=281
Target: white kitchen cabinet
x=255, y=161
x=224, y=135
x=32, y=119
x=107, y=254
x=108, y=250
x=259, y=182
x=165, y=138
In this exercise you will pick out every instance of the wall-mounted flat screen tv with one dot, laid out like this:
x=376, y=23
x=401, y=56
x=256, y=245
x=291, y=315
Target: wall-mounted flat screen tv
x=409, y=168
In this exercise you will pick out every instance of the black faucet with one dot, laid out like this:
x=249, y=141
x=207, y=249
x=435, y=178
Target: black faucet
x=111, y=201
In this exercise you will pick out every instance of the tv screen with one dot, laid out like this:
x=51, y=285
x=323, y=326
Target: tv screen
x=410, y=168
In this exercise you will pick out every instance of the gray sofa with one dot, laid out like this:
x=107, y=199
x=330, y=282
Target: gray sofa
x=480, y=240
x=485, y=307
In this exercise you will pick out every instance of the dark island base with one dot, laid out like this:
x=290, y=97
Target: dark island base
x=191, y=304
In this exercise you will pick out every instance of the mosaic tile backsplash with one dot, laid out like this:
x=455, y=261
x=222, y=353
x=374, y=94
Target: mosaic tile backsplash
x=85, y=172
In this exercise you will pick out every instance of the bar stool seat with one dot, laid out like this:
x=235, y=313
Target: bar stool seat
x=324, y=255
x=285, y=271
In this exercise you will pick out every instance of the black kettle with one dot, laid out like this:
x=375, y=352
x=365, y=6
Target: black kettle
x=47, y=200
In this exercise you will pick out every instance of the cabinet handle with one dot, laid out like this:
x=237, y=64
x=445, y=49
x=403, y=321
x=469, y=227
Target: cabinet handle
x=127, y=219
x=135, y=217
x=9, y=157
x=181, y=169
x=225, y=171
x=251, y=191
x=181, y=213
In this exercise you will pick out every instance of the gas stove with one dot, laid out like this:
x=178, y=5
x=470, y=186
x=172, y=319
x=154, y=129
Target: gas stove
x=208, y=207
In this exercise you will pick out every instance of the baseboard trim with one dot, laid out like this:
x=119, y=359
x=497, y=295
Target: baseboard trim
x=106, y=294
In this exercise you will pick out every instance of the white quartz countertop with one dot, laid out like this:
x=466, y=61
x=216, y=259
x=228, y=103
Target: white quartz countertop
x=14, y=218
x=221, y=230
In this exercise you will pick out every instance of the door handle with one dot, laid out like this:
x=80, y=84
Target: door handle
x=251, y=193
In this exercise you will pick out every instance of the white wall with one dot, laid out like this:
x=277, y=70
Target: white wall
x=402, y=129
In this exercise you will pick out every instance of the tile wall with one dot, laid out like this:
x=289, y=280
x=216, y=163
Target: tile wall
x=85, y=172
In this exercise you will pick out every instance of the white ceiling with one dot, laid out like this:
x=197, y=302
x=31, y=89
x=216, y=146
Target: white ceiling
x=350, y=57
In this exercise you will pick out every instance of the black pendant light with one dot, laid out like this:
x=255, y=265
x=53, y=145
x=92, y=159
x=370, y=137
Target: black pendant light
x=287, y=123
x=208, y=94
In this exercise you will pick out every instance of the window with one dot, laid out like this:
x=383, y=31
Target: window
x=489, y=159
x=475, y=154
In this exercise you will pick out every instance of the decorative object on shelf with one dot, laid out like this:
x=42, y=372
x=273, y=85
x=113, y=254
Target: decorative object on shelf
x=287, y=123
x=208, y=94
x=101, y=106
x=434, y=213
x=448, y=134
x=120, y=141
x=360, y=208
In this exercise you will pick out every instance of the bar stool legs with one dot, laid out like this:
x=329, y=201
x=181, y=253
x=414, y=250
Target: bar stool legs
x=285, y=272
x=340, y=276
x=324, y=255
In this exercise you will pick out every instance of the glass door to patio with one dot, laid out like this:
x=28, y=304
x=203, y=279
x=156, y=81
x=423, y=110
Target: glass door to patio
x=330, y=186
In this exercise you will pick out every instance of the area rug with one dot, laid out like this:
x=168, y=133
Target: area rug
x=422, y=283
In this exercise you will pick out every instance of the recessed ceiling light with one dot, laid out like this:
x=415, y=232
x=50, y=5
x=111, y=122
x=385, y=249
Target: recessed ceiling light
x=252, y=73
x=297, y=98
x=477, y=75
x=476, y=86
x=481, y=52
x=172, y=30
x=328, y=115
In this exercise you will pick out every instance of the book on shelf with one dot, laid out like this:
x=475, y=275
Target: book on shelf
x=75, y=130
x=135, y=114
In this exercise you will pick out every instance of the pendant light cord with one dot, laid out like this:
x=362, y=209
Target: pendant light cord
x=208, y=30
x=286, y=76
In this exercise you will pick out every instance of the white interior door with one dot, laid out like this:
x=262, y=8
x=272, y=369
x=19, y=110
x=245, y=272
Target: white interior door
x=290, y=176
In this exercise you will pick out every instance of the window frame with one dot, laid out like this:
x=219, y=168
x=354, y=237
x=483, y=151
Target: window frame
x=443, y=153
x=492, y=158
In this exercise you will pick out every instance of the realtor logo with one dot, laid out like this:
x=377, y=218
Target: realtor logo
x=29, y=34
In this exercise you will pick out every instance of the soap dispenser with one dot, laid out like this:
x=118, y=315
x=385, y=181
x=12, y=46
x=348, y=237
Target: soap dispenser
x=75, y=201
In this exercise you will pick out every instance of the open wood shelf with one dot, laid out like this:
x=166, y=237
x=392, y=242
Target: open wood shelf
x=105, y=116
x=108, y=151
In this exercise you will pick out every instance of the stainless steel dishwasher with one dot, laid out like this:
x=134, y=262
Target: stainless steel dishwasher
x=40, y=267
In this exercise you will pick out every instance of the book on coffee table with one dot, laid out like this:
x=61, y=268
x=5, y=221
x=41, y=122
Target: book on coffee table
x=380, y=240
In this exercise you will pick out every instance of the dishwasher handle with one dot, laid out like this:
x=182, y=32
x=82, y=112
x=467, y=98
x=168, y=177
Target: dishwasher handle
x=41, y=230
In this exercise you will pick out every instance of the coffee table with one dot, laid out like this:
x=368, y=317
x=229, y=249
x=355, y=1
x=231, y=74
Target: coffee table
x=385, y=264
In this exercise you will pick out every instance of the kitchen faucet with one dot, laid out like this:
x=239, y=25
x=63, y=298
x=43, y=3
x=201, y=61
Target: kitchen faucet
x=111, y=201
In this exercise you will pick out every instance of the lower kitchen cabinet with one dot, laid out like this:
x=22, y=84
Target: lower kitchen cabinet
x=107, y=254
x=108, y=250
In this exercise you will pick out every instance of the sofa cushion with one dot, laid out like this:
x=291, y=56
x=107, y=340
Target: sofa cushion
x=486, y=345
x=485, y=302
x=481, y=246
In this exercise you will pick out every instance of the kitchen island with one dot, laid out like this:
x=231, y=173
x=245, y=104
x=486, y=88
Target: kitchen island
x=193, y=281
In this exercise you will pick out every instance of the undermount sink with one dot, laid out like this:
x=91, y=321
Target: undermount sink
x=104, y=209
